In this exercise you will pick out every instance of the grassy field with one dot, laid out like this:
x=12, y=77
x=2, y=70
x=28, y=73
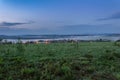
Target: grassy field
x=60, y=61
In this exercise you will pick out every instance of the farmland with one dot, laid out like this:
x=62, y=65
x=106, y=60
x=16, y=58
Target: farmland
x=60, y=61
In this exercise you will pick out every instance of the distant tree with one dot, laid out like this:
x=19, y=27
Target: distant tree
x=1, y=40
x=5, y=41
x=19, y=41
x=118, y=41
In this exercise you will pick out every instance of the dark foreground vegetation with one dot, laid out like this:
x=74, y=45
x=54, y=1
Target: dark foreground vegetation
x=60, y=61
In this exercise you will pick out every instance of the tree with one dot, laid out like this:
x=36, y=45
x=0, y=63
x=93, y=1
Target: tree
x=1, y=40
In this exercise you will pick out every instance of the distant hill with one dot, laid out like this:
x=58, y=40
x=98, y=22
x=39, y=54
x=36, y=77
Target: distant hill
x=53, y=36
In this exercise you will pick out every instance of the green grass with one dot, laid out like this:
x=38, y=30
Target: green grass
x=60, y=61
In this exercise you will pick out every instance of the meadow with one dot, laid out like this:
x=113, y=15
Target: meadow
x=60, y=61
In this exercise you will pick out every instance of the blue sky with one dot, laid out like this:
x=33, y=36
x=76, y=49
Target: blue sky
x=18, y=17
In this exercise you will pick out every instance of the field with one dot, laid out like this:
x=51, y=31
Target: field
x=60, y=61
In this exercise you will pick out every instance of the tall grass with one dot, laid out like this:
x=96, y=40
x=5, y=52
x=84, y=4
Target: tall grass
x=60, y=61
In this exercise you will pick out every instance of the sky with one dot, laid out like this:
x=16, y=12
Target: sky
x=21, y=17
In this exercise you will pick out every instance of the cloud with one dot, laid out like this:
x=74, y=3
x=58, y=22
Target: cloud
x=7, y=24
x=114, y=16
x=66, y=29
x=87, y=25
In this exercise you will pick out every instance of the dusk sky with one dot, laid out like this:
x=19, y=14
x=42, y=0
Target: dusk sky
x=19, y=17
